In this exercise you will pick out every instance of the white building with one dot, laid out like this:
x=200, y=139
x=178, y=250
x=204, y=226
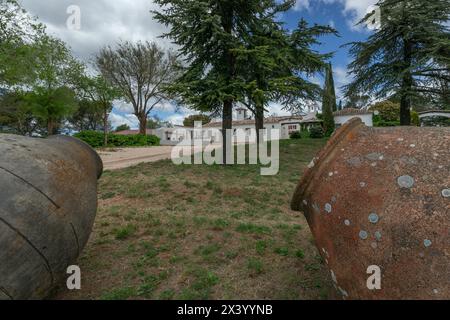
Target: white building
x=345, y=115
x=285, y=125
x=243, y=124
x=433, y=114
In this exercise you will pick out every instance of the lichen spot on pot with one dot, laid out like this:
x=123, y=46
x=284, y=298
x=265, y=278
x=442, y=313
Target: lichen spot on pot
x=373, y=218
x=328, y=208
x=446, y=193
x=347, y=222
x=363, y=235
x=427, y=243
x=378, y=235
x=406, y=182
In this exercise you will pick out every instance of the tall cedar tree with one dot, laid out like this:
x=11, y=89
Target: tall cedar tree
x=329, y=101
x=212, y=34
x=275, y=64
x=406, y=55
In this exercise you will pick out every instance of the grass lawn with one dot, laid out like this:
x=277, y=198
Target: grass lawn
x=203, y=232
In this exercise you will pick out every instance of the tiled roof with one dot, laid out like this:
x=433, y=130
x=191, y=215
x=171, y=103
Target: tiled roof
x=351, y=112
x=435, y=111
x=133, y=132
x=252, y=121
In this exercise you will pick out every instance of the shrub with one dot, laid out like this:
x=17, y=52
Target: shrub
x=415, y=119
x=296, y=135
x=95, y=139
x=316, y=133
x=383, y=123
x=388, y=111
x=388, y=114
x=123, y=127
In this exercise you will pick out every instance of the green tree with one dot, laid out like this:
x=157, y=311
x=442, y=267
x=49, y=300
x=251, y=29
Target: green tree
x=387, y=110
x=141, y=71
x=123, y=127
x=387, y=114
x=101, y=94
x=190, y=121
x=329, y=101
x=51, y=106
x=274, y=63
x=211, y=35
x=155, y=123
x=406, y=55
x=55, y=74
x=18, y=115
x=18, y=34
x=87, y=117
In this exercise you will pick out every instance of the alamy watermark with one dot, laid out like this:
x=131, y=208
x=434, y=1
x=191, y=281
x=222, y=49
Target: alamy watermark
x=74, y=20
x=74, y=280
x=374, y=17
x=205, y=146
x=374, y=280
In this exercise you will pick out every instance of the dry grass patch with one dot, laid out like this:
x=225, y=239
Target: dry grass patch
x=202, y=232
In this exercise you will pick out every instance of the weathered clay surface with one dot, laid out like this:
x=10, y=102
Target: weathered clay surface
x=380, y=196
x=48, y=202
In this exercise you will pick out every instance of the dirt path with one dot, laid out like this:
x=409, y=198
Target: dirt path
x=122, y=158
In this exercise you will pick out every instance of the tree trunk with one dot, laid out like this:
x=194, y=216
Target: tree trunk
x=407, y=83
x=142, y=124
x=50, y=127
x=105, y=129
x=227, y=124
x=259, y=123
x=227, y=118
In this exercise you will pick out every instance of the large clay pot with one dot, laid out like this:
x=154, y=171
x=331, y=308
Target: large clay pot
x=48, y=203
x=381, y=197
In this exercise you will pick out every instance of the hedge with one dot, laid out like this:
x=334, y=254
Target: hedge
x=296, y=135
x=95, y=139
x=316, y=133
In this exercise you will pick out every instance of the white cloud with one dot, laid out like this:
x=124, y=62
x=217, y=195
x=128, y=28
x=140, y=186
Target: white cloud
x=341, y=78
x=277, y=109
x=302, y=4
x=354, y=10
x=128, y=119
x=176, y=119
x=103, y=22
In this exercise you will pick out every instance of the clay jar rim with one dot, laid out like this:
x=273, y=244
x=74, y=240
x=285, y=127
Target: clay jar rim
x=321, y=160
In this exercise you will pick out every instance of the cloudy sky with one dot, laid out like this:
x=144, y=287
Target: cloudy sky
x=104, y=22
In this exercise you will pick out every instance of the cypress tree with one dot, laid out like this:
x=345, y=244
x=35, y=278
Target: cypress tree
x=329, y=101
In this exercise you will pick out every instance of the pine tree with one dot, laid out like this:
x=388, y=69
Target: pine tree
x=406, y=55
x=275, y=64
x=213, y=36
x=329, y=101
